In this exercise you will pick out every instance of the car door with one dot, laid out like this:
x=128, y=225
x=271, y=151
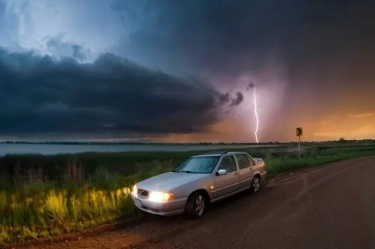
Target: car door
x=226, y=184
x=245, y=171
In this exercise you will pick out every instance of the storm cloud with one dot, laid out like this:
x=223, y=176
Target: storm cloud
x=57, y=45
x=112, y=94
x=235, y=37
x=304, y=57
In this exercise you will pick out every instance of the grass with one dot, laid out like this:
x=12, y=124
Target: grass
x=310, y=159
x=98, y=189
x=55, y=211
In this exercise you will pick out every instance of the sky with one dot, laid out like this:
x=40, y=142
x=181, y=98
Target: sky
x=179, y=71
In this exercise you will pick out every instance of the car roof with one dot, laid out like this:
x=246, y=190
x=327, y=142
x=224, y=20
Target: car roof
x=220, y=153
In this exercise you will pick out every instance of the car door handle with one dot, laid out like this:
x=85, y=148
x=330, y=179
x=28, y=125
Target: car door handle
x=235, y=173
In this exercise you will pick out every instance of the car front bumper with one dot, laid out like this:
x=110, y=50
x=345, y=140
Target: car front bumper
x=166, y=208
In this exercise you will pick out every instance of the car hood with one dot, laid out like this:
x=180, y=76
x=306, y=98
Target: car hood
x=169, y=181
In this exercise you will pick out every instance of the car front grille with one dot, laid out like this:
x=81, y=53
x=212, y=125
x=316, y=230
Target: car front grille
x=143, y=192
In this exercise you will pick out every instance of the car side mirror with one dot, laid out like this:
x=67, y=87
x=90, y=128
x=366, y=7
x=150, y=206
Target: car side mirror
x=221, y=172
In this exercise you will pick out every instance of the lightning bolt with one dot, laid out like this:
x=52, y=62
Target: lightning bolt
x=256, y=115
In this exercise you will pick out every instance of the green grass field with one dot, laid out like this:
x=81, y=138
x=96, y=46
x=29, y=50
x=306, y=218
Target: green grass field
x=52, y=195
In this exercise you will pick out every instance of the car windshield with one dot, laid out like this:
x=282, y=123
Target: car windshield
x=198, y=165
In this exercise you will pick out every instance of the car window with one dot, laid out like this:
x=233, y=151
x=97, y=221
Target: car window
x=204, y=165
x=243, y=161
x=228, y=164
x=251, y=161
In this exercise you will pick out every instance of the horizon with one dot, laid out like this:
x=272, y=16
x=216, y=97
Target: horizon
x=181, y=143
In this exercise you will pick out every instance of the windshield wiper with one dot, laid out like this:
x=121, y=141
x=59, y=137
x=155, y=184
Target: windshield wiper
x=186, y=171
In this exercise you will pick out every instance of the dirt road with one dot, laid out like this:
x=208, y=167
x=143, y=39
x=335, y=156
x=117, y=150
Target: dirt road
x=332, y=206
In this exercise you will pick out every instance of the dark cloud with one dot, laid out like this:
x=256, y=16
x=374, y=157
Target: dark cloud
x=57, y=45
x=299, y=52
x=42, y=94
x=311, y=54
x=232, y=37
x=238, y=100
x=250, y=86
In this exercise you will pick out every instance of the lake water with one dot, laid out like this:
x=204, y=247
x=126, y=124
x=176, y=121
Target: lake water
x=50, y=149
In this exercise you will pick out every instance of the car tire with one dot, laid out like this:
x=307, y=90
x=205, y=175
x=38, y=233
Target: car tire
x=255, y=184
x=196, y=205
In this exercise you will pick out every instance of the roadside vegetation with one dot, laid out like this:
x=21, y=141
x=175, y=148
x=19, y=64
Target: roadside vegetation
x=43, y=196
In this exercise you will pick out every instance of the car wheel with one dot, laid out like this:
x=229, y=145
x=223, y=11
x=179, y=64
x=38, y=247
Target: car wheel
x=255, y=184
x=196, y=205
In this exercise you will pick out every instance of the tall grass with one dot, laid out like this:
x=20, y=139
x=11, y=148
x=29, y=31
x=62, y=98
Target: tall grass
x=45, y=209
x=101, y=192
x=53, y=211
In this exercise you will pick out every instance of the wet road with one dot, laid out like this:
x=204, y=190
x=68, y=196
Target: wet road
x=332, y=206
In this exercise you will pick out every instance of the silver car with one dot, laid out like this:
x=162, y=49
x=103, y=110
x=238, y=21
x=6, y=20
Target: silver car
x=197, y=182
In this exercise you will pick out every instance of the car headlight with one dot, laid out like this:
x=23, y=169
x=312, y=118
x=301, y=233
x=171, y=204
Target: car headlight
x=160, y=196
x=135, y=190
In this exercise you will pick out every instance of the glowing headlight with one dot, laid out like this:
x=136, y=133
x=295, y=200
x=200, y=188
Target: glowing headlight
x=160, y=196
x=135, y=190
